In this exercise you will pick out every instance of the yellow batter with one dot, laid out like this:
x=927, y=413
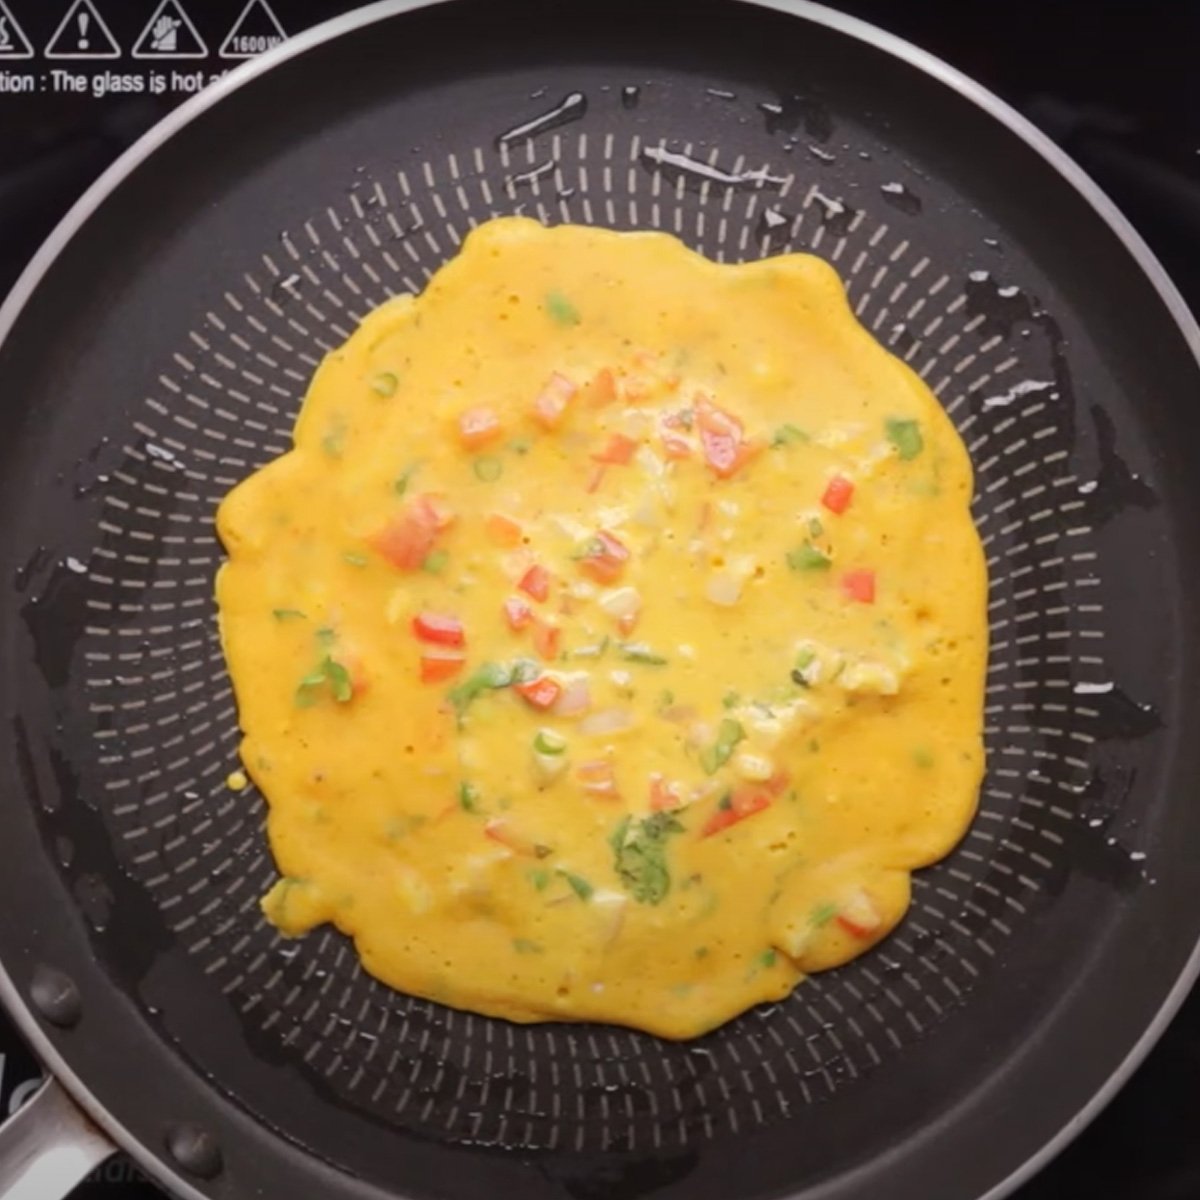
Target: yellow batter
x=611, y=645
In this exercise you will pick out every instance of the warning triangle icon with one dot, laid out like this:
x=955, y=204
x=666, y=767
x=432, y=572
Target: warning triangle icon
x=256, y=30
x=82, y=33
x=170, y=34
x=13, y=42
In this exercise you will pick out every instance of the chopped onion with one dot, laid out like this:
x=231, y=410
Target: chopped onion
x=576, y=697
x=724, y=588
x=621, y=602
x=549, y=766
x=607, y=720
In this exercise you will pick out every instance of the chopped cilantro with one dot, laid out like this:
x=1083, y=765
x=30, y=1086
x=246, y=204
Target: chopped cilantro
x=560, y=310
x=767, y=958
x=823, y=914
x=640, y=858
x=287, y=614
x=329, y=671
x=435, y=561
x=730, y=700
x=905, y=436
x=520, y=445
x=579, y=885
x=468, y=797
x=539, y=877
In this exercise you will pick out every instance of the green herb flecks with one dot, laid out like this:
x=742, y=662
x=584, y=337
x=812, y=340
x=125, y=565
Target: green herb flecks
x=560, y=310
x=539, y=877
x=767, y=958
x=288, y=614
x=385, y=384
x=328, y=673
x=640, y=855
x=730, y=700
x=823, y=914
x=579, y=885
x=808, y=558
x=488, y=468
x=638, y=652
x=435, y=561
x=468, y=798
x=787, y=435
x=714, y=757
x=525, y=946
x=905, y=437
x=400, y=485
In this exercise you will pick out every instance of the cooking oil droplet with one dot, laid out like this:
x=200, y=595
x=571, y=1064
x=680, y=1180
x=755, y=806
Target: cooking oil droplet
x=572, y=108
x=901, y=197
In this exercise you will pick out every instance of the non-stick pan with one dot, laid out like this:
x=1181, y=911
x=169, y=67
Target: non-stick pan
x=155, y=353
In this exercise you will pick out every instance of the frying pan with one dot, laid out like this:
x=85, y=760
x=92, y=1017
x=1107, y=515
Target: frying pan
x=156, y=351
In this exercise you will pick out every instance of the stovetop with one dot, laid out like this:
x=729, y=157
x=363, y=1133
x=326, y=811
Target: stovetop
x=1114, y=83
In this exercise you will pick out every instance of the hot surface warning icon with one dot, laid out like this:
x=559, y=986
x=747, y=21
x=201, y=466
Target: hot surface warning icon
x=170, y=34
x=256, y=30
x=13, y=42
x=83, y=34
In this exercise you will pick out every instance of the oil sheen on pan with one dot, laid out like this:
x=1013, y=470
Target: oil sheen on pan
x=611, y=644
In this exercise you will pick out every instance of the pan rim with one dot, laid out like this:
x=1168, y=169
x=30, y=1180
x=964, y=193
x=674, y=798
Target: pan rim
x=863, y=31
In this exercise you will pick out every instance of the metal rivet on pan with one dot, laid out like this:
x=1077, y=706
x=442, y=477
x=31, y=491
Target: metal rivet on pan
x=55, y=996
x=195, y=1150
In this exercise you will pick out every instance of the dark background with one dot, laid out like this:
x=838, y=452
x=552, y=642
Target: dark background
x=1115, y=84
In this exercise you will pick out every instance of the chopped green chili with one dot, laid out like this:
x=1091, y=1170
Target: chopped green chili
x=636, y=652
x=549, y=742
x=713, y=757
x=905, y=436
x=385, y=384
x=488, y=469
x=400, y=486
x=808, y=558
x=468, y=797
x=786, y=435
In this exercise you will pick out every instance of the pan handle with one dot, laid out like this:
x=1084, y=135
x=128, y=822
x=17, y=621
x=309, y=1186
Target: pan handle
x=48, y=1147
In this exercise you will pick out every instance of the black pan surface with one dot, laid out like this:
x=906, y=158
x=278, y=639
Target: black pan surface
x=156, y=353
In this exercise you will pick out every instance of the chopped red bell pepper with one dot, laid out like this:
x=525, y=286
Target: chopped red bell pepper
x=541, y=692
x=478, y=426
x=859, y=585
x=742, y=803
x=517, y=613
x=618, y=451
x=726, y=449
x=838, y=493
x=545, y=639
x=504, y=531
x=662, y=794
x=605, y=558
x=435, y=668
x=439, y=628
x=551, y=403
x=603, y=388
x=536, y=583
x=853, y=927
